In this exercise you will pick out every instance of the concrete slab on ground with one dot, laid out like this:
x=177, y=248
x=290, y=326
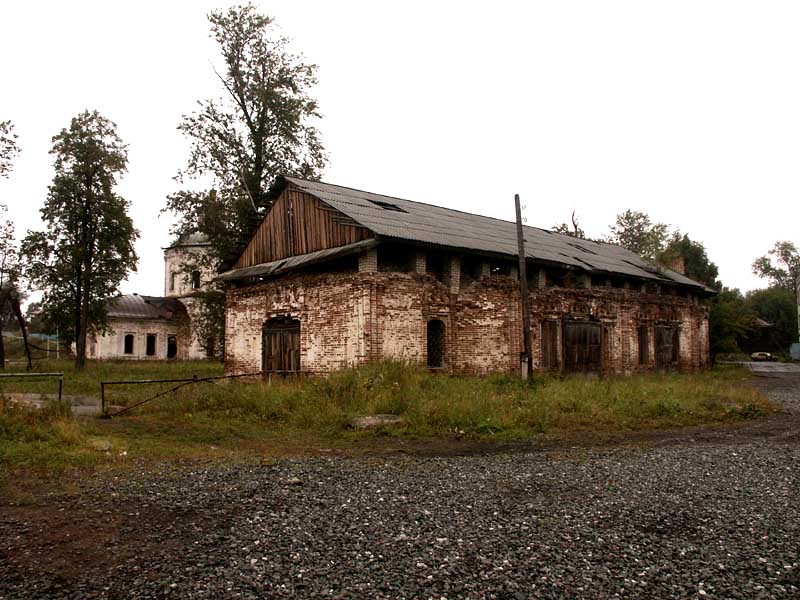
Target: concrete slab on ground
x=81, y=405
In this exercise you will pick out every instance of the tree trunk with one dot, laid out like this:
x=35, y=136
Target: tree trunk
x=21, y=320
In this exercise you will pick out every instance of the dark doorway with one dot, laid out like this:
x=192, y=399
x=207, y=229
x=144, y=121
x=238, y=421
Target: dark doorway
x=150, y=349
x=172, y=346
x=582, y=346
x=281, y=346
x=667, y=346
x=436, y=344
x=644, y=355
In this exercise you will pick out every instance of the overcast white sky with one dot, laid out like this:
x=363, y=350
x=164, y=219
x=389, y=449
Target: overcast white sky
x=686, y=110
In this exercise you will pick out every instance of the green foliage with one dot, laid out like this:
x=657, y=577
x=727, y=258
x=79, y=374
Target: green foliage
x=86, y=249
x=781, y=266
x=208, y=322
x=730, y=322
x=635, y=231
x=8, y=147
x=260, y=129
x=777, y=306
x=696, y=261
x=238, y=416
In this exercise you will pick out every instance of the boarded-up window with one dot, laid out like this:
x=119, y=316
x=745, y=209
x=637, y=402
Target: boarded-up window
x=150, y=348
x=644, y=355
x=549, y=344
x=436, y=343
x=281, y=346
x=667, y=341
x=128, y=343
x=582, y=346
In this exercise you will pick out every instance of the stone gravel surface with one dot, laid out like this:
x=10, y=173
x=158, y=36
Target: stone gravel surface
x=686, y=520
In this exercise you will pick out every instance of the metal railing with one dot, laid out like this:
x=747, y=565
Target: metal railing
x=180, y=383
x=29, y=375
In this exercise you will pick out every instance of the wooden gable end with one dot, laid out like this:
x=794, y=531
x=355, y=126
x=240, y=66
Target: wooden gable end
x=298, y=223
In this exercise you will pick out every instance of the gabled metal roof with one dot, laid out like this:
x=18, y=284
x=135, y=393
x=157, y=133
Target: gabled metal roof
x=134, y=306
x=406, y=220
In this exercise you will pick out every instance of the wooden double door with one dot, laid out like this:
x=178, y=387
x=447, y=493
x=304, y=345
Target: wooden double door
x=281, y=347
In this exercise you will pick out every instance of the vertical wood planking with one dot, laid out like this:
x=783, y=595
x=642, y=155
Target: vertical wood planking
x=297, y=224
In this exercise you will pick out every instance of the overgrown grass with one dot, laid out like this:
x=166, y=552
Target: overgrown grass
x=235, y=416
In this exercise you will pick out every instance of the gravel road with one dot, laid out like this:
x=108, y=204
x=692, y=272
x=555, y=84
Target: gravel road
x=714, y=518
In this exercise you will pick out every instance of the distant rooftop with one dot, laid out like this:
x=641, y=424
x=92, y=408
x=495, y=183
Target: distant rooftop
x=134, y=306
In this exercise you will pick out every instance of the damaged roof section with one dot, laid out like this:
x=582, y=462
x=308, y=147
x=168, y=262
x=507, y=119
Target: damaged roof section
x=134, y=306
x=291, y=263
x=398, y=219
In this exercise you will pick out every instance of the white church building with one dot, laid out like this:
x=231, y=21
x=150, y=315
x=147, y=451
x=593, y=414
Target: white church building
x=160, y=327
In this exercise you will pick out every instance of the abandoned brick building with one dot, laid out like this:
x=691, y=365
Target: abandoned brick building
x=334, y=277
x=155, y=327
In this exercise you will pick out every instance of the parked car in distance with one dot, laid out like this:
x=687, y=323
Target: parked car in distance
x=762, y=356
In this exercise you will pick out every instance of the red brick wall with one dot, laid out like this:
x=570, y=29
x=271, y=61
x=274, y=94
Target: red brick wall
x=352, y=318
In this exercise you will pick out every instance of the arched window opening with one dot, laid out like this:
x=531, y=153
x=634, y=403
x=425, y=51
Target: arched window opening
x=436, y=344
x=281, y=346
x=172, y=346
x=150, y=348
x=128, y=343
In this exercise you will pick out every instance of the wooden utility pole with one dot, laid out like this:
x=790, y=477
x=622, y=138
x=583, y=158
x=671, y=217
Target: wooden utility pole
x=526, y=362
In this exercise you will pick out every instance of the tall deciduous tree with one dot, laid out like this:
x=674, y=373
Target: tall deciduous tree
x=635, y=231
x=781, y=266
x=87, y=247
x=8, y=147
x=262, y=127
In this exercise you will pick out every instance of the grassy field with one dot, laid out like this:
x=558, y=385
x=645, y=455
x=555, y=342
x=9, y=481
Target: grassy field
x=234, y=417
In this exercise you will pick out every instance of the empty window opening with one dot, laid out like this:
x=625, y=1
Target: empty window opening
x=388, y=206
x=471, y=268
x=397, y=259
x=583, y=349
x=172, y=282
x=172, y=346
x=436, y=344
x=195, y=280
x=281, y=346
x=150, y=348
x=436, y=264
x=210, y=347
x=128, y=349
x=644, y=355
x=549, y=344
x=499, y=268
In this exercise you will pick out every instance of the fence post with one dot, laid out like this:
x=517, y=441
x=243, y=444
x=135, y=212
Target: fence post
x=103, y=412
